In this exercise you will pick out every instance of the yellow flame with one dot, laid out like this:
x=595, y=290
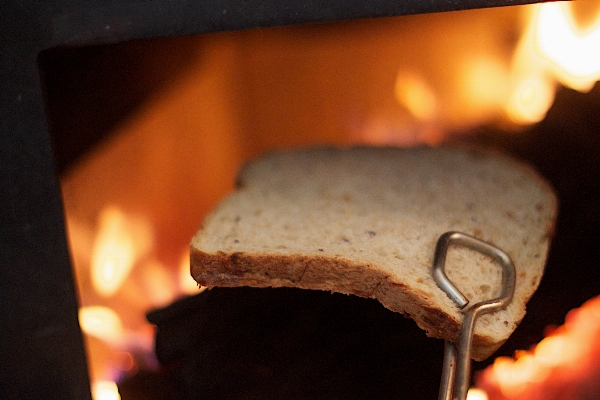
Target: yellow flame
x=530, y=100
x=102, y=323
x=572, y=51
x=120, y=242
x=552, y=48
x=476, y=394
x=105, y=390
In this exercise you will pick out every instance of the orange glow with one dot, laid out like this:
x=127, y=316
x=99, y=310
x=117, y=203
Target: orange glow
x=566, y=362
x=186, y=282
x=530, y=100
x=515, y=376
x=552, y=351
x=484, y=81
x=119, y=244
x=135, y=200
x=159, y=285
x=105, y=390
x=102, y=323
x=414, y=93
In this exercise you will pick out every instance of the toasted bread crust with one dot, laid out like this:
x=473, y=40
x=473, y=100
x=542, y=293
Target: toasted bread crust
x=264, y=271
x=365, y=221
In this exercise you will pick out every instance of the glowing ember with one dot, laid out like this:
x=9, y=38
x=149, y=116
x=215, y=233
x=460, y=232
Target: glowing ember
x=565, y=365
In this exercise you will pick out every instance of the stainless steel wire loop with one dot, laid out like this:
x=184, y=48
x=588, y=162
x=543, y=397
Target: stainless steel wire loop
x=456, y=370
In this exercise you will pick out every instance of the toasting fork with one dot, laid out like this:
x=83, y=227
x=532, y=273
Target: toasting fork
x=456, y=370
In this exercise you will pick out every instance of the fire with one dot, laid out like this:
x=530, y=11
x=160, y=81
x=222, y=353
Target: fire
x=554, y=48
x=572, y=50
x=121, y=280
x=483, y=79
x=119, y=244
x=129, y=222
x=102, y=323
x=564, y=365
x=530, y=100
x=105, y=390
x=476, y=394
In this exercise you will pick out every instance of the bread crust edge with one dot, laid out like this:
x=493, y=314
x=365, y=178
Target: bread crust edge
x=334, y=274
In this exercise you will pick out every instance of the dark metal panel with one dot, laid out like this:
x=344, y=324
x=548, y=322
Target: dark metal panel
x=109, y=21
x=41, y=348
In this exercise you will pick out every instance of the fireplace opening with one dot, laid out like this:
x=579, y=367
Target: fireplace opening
x=148, y=136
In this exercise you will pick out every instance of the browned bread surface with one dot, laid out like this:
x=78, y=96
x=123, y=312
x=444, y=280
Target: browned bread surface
x=365, y=221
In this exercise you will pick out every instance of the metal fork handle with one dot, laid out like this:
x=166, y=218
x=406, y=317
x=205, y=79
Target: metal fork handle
x=456, y=370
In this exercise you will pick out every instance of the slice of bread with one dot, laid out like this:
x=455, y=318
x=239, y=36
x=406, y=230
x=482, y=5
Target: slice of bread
x=365, y=221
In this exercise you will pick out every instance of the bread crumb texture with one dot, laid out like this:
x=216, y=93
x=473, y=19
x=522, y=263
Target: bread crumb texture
x=365, y=221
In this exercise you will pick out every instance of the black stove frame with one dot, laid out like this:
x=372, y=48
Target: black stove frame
x=41, y=350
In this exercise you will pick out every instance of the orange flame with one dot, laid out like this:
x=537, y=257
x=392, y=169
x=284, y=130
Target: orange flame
x=530, y=100
x=565, y=364
x=102, y=323
x=554, y=48
x=125, y=281
x=119, y=244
